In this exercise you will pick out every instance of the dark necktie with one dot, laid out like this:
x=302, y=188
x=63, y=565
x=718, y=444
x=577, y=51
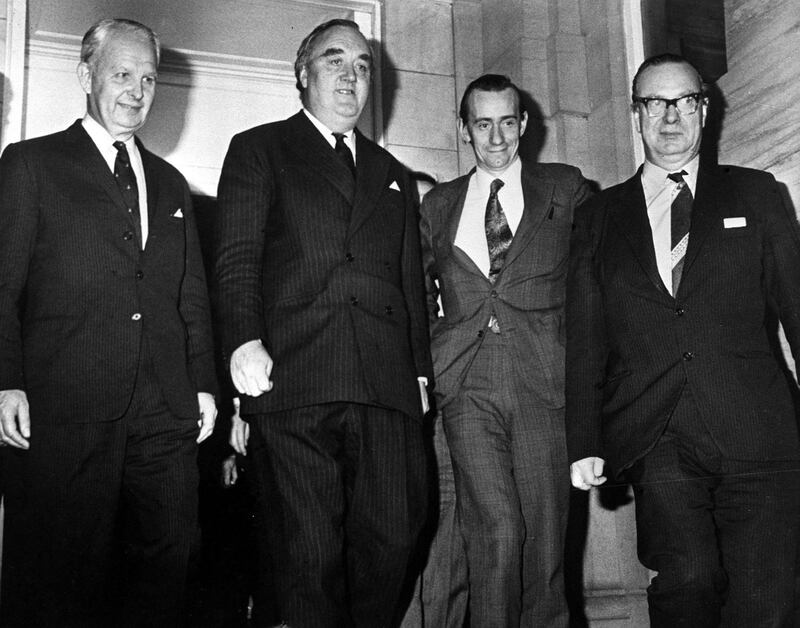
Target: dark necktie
x=680, y=218
x=344, y=152
x=126, y=181
x=498, y=233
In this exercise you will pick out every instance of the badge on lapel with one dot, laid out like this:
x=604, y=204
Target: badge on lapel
x=178, y=213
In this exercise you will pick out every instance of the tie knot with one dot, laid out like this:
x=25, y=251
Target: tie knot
x=677, y=177
x=495, y=186
x=339, y=138
x=122, y=151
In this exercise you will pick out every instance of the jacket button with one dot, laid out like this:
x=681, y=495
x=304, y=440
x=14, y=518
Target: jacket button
x=480, y=334
x=128, y=235
x=388, y=309
x=139, y=274
x=353, y=301
x=136, y=317
x=679, y=311
x=687, y=356
x=349, y=257
x=494, y=294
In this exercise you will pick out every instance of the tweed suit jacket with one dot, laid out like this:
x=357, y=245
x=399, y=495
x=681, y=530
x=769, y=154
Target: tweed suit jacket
x=632, y=347
x=324, y=270
x=77, y=293
x=528, y=295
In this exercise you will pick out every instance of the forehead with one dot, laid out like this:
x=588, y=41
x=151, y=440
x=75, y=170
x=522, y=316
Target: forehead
x=126, y=48
x=341, y=38
x=486, y=104
x=669, y=79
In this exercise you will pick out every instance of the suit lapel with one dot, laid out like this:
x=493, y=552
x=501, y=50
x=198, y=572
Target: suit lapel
x=453, y=207
x=88, y=155
x=537, y=190
x=306, y=143
x=709, y=196
x=630, y=215
x=372, y=171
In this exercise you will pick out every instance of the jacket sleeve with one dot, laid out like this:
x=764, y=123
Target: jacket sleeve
x=586, y=352
x=18, y=231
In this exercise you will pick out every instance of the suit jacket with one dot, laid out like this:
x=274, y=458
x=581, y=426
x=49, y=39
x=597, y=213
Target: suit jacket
x=77, y=293
x=528, y=295
x=632, y=347
x=324, y=270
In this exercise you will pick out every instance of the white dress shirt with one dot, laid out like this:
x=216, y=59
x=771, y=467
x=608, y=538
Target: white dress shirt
x=471, y=233
x=349, y=136
x=659, y=192
x=105, y=144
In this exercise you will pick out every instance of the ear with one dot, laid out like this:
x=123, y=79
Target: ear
x=637, y=116
x=704, y=109
x=85, y=77
x=463, y=131
x=304, y=77
x=523, y=122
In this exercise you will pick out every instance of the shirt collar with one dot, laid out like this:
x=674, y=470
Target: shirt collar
x=327, y=133
x=654, y=178
x=484, y=178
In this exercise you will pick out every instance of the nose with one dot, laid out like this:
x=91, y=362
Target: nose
x=671, y=113
x=348, y=72
x=135, y=90
x=496, y=135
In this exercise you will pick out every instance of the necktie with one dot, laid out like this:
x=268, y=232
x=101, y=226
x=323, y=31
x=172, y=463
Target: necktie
x=344, y=153
x=680, y=218
x=498, y=233
x=126, y=181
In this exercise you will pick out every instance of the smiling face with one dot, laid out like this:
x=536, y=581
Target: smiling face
x=494, y=126
x=671, y=139
x=120, y=83
x=336, y=78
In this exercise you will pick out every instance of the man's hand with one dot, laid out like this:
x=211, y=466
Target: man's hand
x=208, y=415
x=251, y=367
x=240, y=431
x=587, y=472
x=229, y=472
x=15, y=421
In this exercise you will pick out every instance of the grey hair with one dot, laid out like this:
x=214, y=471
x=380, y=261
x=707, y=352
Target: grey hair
x=99, y=32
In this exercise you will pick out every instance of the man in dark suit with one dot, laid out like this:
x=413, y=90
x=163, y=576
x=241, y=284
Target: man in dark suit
x=495, y=257
x=106, y=358
x=671, y=379
x=320, y=299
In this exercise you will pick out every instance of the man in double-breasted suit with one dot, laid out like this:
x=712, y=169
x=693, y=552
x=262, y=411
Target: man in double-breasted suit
x=320, y=298
x=495, y=258
x=671, y=376
x=106, y=358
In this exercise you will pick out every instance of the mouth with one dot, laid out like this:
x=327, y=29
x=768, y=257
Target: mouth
x=129, y=107
x=344, y=91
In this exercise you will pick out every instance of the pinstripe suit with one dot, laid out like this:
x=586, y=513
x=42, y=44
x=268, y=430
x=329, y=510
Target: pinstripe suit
x=326, y=271
x=501, y=395
x=111, y=345
x=654, y=381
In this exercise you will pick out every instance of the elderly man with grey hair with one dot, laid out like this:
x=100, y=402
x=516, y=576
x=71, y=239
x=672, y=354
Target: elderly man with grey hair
x=106, y=359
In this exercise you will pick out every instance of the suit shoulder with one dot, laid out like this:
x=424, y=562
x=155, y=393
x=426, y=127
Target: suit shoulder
x=443, y=192
x=45, y=144
x=262, y=132
x=554, y=169
x=166, y=168
x=742, y=176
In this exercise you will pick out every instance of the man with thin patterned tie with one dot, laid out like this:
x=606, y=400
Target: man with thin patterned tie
x=320, y=298
x=677, y=278
x=106, y=359
x=495, y=255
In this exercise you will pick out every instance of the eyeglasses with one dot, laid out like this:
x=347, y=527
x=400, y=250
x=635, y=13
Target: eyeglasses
x=655, y=107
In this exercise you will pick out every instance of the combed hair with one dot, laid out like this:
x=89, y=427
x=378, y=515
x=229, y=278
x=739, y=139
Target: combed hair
x=96, y=36
x=663, y=59
x=488, y=83
x=307, y=45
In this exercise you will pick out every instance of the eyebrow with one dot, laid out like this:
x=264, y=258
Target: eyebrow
x=332, y=52
x=502, y=118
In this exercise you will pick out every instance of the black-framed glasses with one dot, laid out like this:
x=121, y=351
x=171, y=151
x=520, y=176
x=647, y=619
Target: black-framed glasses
x=655, y=107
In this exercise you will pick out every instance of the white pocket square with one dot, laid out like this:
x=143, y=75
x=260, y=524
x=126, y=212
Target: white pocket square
x=394, y=186
x=178, y=213
x=735, y=223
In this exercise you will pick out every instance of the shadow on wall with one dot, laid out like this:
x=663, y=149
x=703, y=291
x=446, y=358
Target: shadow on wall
x=532, y=142
x=6, y=95
x=167, y=118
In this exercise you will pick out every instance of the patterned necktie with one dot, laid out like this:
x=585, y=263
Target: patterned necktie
x=681, y=217
x=126, y=181
x=498, y=233
x=344, y=152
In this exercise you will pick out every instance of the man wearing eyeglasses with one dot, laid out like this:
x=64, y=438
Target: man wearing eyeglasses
x=672, y=384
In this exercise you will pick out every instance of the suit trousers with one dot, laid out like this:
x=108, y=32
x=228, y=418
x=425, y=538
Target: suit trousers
x=512, y=487
x=101, y=520
x=722, y=534
x=441, y=590
x=343, y=488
